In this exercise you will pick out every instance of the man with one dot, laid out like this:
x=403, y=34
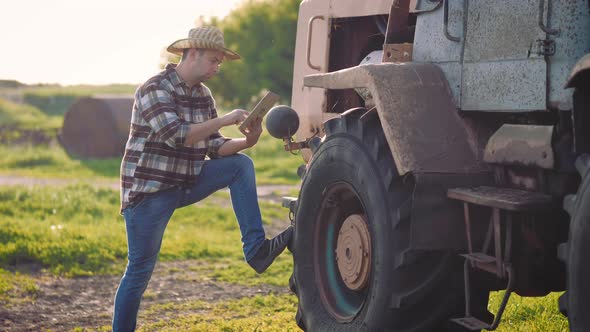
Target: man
x=174, y=126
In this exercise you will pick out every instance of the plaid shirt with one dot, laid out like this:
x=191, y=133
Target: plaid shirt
x=155, y=155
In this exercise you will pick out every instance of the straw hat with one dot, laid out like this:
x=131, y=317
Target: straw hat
x=203, y=37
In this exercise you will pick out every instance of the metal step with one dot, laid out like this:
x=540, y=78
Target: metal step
x=503, y=198
x=480, y=257
x=471, y=323
x=475, y=324
x=290, y=203
x=484, y=262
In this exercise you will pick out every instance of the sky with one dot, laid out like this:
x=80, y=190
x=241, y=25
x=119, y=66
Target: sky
x=94, y=42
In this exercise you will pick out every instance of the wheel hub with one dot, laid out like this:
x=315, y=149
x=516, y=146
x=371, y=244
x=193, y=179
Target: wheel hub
x=353, y=252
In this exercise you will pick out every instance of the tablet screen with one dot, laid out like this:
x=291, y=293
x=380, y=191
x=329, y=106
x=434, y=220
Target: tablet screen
x=260, y=110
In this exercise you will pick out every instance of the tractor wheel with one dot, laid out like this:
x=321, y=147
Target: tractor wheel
x=575, y=303
x=353, y=268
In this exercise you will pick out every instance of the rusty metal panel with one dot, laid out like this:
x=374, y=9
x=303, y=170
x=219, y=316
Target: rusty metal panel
x=397, y=24
x=518, y=85
x=501, y=30
x=525, y=145
x=572, y=19
x=397, y=52
x=424, y=134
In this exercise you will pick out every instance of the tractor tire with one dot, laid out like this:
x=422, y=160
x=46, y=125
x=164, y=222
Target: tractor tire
x=353, y=269
x=575, y=302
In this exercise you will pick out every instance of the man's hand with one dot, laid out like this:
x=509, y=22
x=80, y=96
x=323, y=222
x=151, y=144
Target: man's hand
x=234, y=117
x=235, y=145
x=253, y=132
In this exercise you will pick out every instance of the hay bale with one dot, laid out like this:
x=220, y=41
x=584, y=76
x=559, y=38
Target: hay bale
x=97, y=127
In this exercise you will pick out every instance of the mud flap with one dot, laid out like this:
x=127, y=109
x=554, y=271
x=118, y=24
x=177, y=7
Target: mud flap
x=417, y=112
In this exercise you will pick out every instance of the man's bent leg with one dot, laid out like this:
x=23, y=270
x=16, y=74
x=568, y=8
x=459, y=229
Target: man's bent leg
x=237, y=173
x=145, y=224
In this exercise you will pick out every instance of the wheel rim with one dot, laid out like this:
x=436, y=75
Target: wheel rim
x=353, y=252
x=342, y=254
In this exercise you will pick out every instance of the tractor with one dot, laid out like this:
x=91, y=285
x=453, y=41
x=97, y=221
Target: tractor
x=446, y=150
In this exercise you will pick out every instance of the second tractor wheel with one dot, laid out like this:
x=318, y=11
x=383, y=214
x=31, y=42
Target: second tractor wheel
x=575, y=303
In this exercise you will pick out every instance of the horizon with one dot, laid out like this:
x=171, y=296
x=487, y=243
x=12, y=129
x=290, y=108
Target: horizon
x=69, y=42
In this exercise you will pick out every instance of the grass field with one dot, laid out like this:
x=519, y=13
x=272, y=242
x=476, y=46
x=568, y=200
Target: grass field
x=75, y=230
x=55, y=100
x=273, y=164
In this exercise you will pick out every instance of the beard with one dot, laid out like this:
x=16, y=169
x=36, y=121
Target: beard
x=206, y=77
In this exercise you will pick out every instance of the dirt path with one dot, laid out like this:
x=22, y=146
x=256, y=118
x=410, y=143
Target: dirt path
x=63, y=304
x=272, y=192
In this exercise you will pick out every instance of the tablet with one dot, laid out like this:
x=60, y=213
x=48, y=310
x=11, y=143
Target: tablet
x=260, y=110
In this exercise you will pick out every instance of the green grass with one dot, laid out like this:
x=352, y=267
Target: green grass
x=56, y=100
x=23, y=116
x=73, y=231
x=16, y=287
x=529, y=314
x=54, y=162
x=276, y=313
x=77, y=230
x=81, y=90
x=25, y=123
x=259, y=313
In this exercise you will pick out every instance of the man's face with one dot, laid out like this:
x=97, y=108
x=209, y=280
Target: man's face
x=207, y=64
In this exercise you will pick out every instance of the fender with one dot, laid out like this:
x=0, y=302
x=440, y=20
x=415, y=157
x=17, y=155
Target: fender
x=417, y=112
x=427, y=138
x=580, y=70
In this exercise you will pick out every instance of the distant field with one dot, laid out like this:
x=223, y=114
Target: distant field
x=40, y=123
x=273, y=165
x=55, y=100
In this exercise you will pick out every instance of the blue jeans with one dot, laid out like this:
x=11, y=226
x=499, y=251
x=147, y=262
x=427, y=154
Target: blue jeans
x=147, y=218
